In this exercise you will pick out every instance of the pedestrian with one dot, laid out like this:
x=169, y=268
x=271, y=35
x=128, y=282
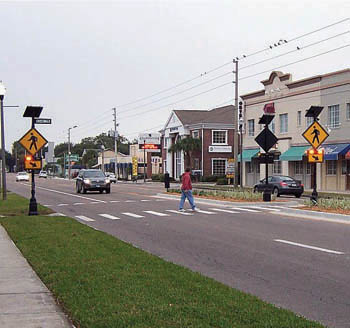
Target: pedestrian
x=167, y=181
x=186, y=191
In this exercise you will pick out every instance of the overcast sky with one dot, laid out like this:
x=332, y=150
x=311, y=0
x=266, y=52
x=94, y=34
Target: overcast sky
x=80, y=59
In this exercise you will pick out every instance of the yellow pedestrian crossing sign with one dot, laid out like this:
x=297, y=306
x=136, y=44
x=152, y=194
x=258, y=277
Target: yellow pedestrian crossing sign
x=315, y=134
x=33, y=141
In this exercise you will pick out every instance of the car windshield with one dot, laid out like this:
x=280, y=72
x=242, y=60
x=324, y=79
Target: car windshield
x=22, y=173
x=286, y=178
x=43, y=172
x=94, y=174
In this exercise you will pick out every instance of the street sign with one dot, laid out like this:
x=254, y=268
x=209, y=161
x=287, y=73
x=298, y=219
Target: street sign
x=230, y=168
x=315, y=155
x=266, y=158
x=42, y=120
x=149, y=138
x=315, y=134
x=33, y=141
x=134, y=166
x=266, y=139
x=33, y=164
x=150, y=148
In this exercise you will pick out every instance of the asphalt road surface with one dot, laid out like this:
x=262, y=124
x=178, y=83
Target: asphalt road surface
x=295, y=263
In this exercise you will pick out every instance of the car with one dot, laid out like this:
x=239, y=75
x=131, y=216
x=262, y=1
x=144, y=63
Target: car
x=43, y=174
x=22, y=176
x=111, y=177
x=92, y=180
x=281, y=185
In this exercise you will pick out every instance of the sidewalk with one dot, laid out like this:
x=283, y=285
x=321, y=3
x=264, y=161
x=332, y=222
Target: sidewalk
x=25, y=302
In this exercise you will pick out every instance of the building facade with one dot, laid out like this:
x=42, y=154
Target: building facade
x=291, y=100
x=214, y=128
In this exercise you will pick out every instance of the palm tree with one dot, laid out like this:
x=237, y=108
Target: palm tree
x=188, y=146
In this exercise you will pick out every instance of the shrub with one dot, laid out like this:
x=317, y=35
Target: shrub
x=155, y=177
x=222, y=181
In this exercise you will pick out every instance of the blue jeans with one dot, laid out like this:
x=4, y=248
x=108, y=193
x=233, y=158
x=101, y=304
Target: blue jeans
x=186, y=194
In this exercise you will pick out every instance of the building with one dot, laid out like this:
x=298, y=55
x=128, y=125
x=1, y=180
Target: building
x=292, y=99
x=214, y=127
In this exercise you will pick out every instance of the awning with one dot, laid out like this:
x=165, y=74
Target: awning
x=248, y=154
x=294, y=153
x=331, y=152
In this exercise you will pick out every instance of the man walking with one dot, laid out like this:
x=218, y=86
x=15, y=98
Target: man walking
x=186, y=191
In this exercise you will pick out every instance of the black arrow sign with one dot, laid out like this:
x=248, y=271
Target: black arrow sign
x=315, y=157
x=266, y=139
x=33, y=164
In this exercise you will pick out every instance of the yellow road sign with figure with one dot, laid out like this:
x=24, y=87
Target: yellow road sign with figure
x=33, y=141
x=315, y=134
x=32, y=164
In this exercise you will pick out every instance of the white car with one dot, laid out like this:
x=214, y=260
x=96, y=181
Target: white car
x=22, y=176
x=43, y=174
x=111, y=177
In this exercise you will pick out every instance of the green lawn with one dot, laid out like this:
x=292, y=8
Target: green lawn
x=103, y=282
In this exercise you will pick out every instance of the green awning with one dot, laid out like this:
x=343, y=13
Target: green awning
x=294, y=153
x=248, y=154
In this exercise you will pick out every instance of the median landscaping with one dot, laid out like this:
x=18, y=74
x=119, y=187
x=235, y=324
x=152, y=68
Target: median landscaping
x=336, y=205
x=102, y=282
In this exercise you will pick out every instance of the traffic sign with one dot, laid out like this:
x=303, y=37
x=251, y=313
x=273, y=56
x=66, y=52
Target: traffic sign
x=230, y=168
x=32, y=164
x=149, y=138
x=33, y=141
x=315, y=155
x=42, y=120
x=315, y=134
x=266, y=158
x=266, y=139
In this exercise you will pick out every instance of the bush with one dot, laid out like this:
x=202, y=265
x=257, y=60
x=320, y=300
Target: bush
x=222, y=181
x=209, y=178
x=155, y=177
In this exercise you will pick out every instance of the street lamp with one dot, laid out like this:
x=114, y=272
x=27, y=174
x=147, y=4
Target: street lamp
x=73, y=127
x=103, y=158
x=3, y=156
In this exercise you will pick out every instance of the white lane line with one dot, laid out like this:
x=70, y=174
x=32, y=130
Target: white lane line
x=222, y=210
x=130, y=201
x=47, y=205
x=84, y=218
x=244, y=209
x=265, y=208
x=204, y=212
x=108, y=216
x=156, y=213
x=308, y=246
x=62, y=205
x=133, y=215
x=94, y=203
x=78, y=203
x=160, y=200
x=115, y=201
x=145, y=200
x=177, y=212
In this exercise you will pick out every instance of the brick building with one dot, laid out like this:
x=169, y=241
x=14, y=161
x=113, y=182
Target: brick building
x=214, y=127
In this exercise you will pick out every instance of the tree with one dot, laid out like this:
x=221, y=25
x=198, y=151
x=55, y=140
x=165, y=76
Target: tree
x=188, y=146
x=90, y=158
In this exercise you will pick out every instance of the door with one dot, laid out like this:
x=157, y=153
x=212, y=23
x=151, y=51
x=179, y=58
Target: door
x=347, y=174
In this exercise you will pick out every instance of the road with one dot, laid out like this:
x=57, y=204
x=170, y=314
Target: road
x=295, y=263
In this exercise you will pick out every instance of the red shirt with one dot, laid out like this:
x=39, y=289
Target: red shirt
x=186, y=181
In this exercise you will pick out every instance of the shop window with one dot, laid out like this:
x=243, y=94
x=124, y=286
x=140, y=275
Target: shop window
x=277, y=167
x=309, y=121
x=308, y=168
x=348, y=111
x=257, y=167
x=333, y=116
x=343, y=167
x=249, y=167
x=251, y=128
x=283, y=123
x=196, y=164
x=331, y=167
x=298, y=167
x=219, y=166
x=272, y=126
x=219, y=137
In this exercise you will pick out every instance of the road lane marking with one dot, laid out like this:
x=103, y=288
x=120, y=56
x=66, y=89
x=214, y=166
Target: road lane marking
x=78, y=203
x=115, y=201
x=160, y=200
x=308, y=246
x=145, y=200
x=108, y=216
x=177, y=212
x=204, y=212
x=133, y=215
x=265, y=208
x=130, y=201
x=84, y=218
x=244, y=209
x=94, y=203
x=222, y=210
x=156, y=213
x=62, y=205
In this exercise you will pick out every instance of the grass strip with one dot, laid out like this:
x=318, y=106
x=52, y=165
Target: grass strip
x=103, y=282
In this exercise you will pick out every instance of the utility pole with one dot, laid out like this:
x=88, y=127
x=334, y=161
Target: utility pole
x=115, y=143
x=235, y=121
x=69, y=166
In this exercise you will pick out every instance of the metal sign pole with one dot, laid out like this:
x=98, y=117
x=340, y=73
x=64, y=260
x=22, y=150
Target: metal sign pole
x=144, y=160
x=314, y=195
x=33, y=206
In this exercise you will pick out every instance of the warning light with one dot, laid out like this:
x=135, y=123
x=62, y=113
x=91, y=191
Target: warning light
x=315, y=155
x=29, y=158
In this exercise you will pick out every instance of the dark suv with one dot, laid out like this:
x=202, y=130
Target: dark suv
x=92, y=180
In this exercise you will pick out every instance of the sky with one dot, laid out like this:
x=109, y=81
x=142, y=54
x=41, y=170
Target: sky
x=80, y=59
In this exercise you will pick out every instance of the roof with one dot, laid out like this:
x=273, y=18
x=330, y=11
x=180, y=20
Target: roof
x=216, y=115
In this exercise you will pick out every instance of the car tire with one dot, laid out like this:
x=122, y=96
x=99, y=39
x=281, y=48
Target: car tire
x=276, y=192
x=298, y=195
x=108, y=190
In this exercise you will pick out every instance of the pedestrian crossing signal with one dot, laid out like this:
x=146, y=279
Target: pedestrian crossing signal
x=32, y=164
x=315, y=155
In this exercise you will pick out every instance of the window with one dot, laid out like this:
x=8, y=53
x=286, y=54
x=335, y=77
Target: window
x=251, y=128
x=283, y=123
x=348, y=111
x=219, y=166
x=309, y=121
x=343, y=167
x=298, y=167
x=272, y=126
x=277, y=168
x=219, y=137
x=166, y=142
x=249, y=167
x=299, y=118
x=333, y=116
x=331, y=167
x=195, y=134
x=196, y=164
x=308, y=168
x=257, y=167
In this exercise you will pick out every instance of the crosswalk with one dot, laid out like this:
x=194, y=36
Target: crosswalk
x=170, y=212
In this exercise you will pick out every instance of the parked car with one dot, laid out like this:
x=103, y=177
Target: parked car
x=22, y=176
x=92, y=180
x=43, y=174
x=111, y=177
x=281, y=185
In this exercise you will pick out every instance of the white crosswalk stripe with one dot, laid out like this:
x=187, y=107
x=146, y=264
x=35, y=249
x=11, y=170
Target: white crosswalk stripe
x=222, y=210
x=78, y=203
x=244, y=209
x=156, y=213
x=115, y=201
x=265, y=208
x=177, y=212
x=84, y=218
x=108, y=216
x=204, y=212
x=133, y=215
x=145, y=200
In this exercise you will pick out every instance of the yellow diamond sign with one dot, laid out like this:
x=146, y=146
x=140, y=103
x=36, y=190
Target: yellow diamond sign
x=33, y=141
x=315, y=134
